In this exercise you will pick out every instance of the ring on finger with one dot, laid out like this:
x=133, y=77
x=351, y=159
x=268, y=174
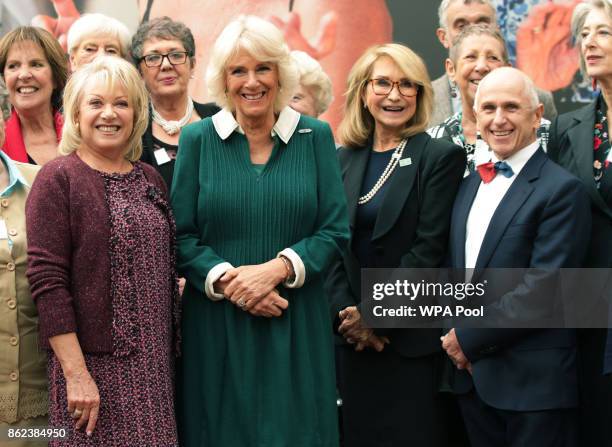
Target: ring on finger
x=77, y=414
x=241, y=303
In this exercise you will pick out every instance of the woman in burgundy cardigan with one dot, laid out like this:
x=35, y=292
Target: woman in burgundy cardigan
x=101, y=268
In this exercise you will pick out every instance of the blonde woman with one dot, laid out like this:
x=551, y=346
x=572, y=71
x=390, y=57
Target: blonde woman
x=314, y=93
x=400, y=186
x=260, y=217
x=101, y=268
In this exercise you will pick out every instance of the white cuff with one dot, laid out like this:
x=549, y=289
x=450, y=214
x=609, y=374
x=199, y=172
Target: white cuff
x=298, y=268
x=215, y=273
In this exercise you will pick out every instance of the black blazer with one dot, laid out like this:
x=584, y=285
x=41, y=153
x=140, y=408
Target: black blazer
x=571, y=145
x=167, y=169
x=542, y=222
x=411, y=229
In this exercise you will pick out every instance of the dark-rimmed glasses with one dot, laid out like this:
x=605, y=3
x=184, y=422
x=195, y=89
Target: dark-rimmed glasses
x=156, y=59
x=382, y=86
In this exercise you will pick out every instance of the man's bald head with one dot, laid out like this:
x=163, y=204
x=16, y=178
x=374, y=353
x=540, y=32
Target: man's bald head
x=508, y=114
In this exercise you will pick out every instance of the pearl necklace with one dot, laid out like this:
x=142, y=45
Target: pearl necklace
x=397, y=154
x=173, y=127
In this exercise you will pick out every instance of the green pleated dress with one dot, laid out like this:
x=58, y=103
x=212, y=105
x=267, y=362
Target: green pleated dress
x=249, y=381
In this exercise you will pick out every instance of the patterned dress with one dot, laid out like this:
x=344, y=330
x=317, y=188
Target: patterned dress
x=136, y=390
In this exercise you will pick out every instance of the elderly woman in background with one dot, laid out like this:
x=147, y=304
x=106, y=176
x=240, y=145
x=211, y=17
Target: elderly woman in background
x=92, y=35
x=475, y=52
x=400, y=187
x=164, y=52
x=260, y=217
x=23, y=389
x=314, y=93
x=35, y=71
x=101, y=268
x=580, y=142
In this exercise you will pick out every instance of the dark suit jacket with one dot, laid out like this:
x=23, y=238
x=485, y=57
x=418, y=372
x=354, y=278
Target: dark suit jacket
x=411, y=228
x=571, y=145
x=541, y=222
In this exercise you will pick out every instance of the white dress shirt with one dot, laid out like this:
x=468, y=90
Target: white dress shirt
x=487, y=200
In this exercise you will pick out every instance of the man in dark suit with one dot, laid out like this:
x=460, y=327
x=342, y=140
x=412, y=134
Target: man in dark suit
x=454, y=15
x=520, y=211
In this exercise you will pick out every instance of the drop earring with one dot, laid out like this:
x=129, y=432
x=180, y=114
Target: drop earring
x=453, y=89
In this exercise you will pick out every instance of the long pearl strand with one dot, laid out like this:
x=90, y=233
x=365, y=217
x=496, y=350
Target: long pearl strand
x=397, y=155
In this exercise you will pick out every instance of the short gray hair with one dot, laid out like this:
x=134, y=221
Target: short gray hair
x=315, y=79
x=579, y=16
x=163, y=28
x=96, y=24
x=264, y=42
x=477, y=30
x=112, y=71
x=529, y=88
x=446, y=3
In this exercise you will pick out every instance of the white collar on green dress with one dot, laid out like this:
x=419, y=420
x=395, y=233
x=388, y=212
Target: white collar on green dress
x=225, y=124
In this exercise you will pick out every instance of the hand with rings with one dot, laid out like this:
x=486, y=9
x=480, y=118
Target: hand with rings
x=83, y=400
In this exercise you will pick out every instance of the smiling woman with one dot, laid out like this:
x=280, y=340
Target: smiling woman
x=101, y=268
x=400, y=186
x=476, y=51
x=34, y=69
x=260, y=216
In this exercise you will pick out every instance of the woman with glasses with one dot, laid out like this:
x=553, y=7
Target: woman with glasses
x=164, y=51
x=400, y=187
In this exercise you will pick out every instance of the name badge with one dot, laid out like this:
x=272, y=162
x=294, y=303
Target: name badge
x=161, y=156
x=3, y=232
x=405, y=162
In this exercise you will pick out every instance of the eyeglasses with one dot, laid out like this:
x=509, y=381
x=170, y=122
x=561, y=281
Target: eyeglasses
x=382, y=86
x=156, y=60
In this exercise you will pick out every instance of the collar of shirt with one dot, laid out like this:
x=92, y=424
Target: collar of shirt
x=225, y=124
x=15, y=176
x=518, y=161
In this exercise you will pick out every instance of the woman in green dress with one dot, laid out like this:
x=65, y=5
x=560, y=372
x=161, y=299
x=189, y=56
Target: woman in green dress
x=261, y=215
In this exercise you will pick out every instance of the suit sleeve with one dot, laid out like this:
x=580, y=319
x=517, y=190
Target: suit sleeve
x=196, y=261
x=561, y=242
x=337, y=284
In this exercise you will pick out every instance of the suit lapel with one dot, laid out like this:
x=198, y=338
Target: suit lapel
x=353, y=179
x=581, y=143
x=512, y=201
x=400, y=185
x=461, y=211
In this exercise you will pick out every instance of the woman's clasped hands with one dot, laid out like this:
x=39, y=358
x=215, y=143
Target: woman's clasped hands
x=253, y=287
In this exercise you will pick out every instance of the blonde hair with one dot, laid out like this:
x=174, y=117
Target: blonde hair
x=95, y=24
x=264, y=42
x=581, y=11
x=315, y=79
x=111, y=71
x=357, y=126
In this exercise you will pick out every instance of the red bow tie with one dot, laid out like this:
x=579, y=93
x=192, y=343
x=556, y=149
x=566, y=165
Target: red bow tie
x=489, y=170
